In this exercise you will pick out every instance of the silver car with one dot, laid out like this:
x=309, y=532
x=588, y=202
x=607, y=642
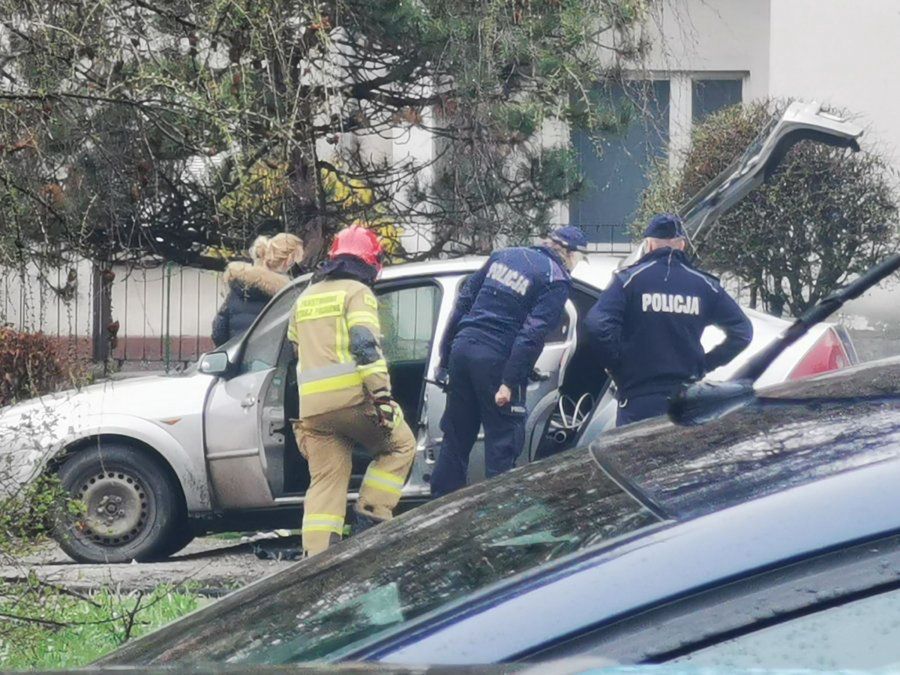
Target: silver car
x=157, y=460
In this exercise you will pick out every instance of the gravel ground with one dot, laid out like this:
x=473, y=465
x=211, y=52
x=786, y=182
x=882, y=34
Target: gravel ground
x=213, y=567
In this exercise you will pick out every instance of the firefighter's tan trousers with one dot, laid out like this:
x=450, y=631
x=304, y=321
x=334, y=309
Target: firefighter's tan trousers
x=327, y=441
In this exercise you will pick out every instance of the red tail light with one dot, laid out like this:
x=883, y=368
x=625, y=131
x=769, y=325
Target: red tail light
x=827, y=354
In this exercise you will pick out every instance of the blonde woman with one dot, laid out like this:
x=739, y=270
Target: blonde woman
x=252, y=285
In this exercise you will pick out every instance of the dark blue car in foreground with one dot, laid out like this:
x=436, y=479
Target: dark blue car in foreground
x=768, y=537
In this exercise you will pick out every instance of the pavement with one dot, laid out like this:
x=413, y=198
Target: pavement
x=212, y=567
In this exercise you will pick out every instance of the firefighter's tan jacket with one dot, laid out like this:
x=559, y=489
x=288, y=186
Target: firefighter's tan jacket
x=338, y=336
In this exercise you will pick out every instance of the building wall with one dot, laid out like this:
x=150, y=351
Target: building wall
x=839, y=52
x=844, y=53
x=725, y=35
x=693, y=43
x=698, y=38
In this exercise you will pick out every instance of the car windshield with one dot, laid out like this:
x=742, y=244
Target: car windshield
x=422, y=561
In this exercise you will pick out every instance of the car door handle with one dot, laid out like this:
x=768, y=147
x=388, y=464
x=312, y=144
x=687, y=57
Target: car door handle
x=249, y=401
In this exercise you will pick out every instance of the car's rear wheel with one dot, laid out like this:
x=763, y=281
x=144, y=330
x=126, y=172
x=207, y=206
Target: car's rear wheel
x=131, y=507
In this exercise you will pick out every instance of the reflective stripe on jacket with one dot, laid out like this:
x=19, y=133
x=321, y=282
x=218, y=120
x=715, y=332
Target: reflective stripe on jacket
x=338, y=336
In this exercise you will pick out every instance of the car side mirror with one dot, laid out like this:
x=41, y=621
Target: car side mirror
x=215, y=363
x=700, y=402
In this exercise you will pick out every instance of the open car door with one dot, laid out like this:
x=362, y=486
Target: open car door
x=244, y=422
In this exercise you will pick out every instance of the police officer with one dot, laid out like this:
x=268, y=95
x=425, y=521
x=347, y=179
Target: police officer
x=646, y=326
x=493, y=338
x=345, y=393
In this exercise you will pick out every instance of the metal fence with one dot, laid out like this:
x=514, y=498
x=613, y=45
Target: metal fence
x=140, y=317
x=56, y=301
x=135, y=317
x=162, y=315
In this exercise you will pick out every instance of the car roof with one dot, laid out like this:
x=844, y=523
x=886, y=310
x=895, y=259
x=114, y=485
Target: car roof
x=594, y=272
x=464, y=265
x=843, y=488
x=601, y=584
x=808, y=429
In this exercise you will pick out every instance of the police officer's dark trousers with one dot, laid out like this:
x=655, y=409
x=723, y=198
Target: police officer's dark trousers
x=636, y=408
x=475, y=373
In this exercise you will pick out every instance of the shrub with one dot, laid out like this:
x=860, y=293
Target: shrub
x=824, y=216
x=32, y=364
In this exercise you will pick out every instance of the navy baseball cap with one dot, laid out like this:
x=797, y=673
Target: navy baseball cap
x=570, y=237
x=665, y=226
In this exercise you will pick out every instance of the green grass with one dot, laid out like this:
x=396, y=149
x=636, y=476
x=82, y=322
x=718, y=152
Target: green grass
x=82, y=629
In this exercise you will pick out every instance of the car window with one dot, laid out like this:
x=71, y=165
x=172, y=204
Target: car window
x=408, y=316
x=264, y=342
x=859, y=635
x=425, y=560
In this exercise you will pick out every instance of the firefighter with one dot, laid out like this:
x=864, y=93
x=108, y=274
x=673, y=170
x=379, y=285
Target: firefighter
x=645, y=329
x=345, y=393
x=493, y=338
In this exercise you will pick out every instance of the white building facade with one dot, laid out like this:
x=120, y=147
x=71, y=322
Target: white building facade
x=706, y=54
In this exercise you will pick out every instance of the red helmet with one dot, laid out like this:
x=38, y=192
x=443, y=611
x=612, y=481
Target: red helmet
x=360, y=242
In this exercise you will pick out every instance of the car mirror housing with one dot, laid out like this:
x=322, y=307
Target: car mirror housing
x=215, y=363
x=700, y=402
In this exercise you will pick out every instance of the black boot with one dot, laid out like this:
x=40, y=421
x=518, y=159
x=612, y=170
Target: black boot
x=362, y=522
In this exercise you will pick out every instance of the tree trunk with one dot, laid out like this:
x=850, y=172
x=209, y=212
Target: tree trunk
x=776, y=305
x=307, y=220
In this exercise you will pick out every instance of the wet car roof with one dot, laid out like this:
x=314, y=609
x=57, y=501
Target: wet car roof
x=811, y=429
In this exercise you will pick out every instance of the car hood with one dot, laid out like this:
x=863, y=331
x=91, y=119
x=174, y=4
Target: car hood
x=800, y=121
x=37, y=428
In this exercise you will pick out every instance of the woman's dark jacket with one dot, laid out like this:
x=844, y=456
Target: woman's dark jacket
x=250, y=289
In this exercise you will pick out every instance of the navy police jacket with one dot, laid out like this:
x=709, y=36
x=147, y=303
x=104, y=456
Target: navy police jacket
x=509, y=306
x=646, y=327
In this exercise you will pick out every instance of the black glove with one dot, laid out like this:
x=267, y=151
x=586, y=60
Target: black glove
x=390, y=414
x=442, y=377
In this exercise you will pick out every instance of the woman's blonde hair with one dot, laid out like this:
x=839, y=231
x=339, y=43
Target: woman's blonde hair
x=282, y=251
x=258, y=248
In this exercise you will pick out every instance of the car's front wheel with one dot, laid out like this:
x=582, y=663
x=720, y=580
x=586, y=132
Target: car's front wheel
x=129, y=506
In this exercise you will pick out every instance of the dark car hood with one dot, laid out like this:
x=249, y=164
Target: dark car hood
x=816, y=427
